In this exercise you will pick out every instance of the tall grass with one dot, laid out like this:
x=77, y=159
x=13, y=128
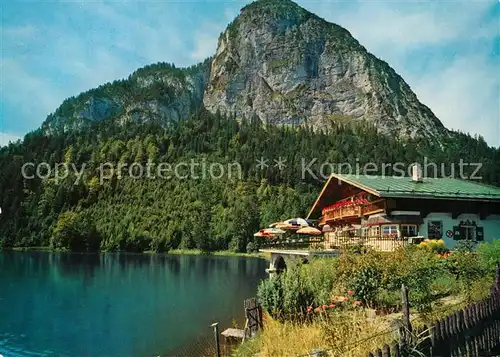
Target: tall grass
x=342, y=333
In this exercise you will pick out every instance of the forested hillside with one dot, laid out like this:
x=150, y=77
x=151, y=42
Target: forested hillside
x=129, y=214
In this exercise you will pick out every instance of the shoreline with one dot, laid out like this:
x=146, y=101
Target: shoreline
x=221, y=253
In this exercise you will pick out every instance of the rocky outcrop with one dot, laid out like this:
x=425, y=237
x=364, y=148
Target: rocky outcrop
x=288, y=66
x=157, y=92
x=275, y=61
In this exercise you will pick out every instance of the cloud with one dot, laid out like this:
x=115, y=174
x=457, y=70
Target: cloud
x=5, y=138
x=205, y=42
x=443, y=50
x=465, y=95
x=27, y=91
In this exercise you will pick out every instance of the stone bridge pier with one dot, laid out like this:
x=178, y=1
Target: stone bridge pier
x=280, y=259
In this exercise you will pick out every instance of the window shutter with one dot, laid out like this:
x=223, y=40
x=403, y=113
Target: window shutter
x=479, y=233
x=456, y=233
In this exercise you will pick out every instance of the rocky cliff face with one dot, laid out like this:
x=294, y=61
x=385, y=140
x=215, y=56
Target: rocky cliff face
x=157, y=92
x=276, y=61
x=288, y=66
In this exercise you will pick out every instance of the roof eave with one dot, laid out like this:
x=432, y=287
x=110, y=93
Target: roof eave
x=432, y=197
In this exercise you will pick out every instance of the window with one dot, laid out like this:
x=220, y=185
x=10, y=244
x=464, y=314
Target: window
x=435, y=229
x=409, y=230
x=389, y=230
x=375, y=231
x=364, y=232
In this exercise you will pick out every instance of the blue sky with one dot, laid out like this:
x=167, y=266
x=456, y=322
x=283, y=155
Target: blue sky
x=447, y=51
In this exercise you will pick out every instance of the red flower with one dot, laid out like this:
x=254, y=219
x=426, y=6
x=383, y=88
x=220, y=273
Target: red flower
x=309, y=308
x=332, y=306
x=351, y=292
x=324, y=307
x=357, y=303
x=317, y=309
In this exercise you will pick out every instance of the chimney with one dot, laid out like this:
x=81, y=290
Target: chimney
x=416, y=173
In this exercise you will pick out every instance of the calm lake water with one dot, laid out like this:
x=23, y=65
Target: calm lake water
x=64, y=304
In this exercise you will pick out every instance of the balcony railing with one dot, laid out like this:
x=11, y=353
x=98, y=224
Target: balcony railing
x=352, y=211
x=378, y=243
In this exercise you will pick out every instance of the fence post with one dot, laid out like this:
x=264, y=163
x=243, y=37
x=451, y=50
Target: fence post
x=215, y=325
x=497, y=275
x=406, y=330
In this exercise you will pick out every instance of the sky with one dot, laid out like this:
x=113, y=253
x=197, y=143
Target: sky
x=447, y=51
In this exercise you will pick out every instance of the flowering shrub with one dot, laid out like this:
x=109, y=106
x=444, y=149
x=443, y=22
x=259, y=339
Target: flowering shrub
x=338, y=302
x=374, y=279
x=433, y=245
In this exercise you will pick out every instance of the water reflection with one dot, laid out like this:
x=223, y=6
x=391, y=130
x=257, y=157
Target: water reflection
x=118, y=304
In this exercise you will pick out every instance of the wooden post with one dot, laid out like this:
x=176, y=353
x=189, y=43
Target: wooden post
x=215, y=325
x=406, y=330
x=395, y=350
x=386, y=351
x=497, y=275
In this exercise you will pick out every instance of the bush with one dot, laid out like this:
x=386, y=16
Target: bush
x=466, y=246
x=319, y=279
x=252, y=247
x=489, y=254
x=366, y=283
x=467, y=269
x=270, y=295
x=75, y=232
x=433, y=245
x=285, y=295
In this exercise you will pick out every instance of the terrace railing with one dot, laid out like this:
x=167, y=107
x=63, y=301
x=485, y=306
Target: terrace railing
x=385, y=244
x=295, y=242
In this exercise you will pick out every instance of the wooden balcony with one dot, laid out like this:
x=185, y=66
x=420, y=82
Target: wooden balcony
x=342, y=213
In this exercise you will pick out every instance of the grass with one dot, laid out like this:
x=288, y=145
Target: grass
x=224, y=253
x=347, y=333
x=343, y=333
x=173, y=251
x=29, y=249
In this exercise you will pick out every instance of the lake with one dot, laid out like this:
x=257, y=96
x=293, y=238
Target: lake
x=68, y=304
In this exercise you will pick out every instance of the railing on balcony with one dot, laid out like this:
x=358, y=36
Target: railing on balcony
x=292, y=243
x=352, y=211
x=385, y=244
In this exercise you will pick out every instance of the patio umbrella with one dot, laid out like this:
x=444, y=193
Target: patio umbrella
x=262, y=233
x=273, y=231
x=310, y=231
x=327, y=228
x=286, y=226
x=297, y=222
x=274, y=224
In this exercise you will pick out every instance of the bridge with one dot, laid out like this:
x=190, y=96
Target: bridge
x=280, y=258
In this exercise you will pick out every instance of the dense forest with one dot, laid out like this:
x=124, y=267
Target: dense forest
x=123, y=213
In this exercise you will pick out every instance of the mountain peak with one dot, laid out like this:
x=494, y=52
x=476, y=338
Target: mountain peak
x=273, y=5
x=287, y=66
x=275, y=61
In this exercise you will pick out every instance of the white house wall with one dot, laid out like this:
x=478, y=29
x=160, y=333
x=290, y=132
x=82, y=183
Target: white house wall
x=491, y=225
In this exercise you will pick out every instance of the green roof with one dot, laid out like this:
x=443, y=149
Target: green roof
x=405, y=187
x=445, y=188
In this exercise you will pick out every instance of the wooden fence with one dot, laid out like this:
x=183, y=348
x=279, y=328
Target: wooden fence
x=253, y=318
x=473, y=331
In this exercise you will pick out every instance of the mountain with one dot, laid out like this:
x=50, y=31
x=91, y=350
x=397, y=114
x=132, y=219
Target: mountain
x=327, y=102
x=288, y=66
x=275, y=61
x=159, y=92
